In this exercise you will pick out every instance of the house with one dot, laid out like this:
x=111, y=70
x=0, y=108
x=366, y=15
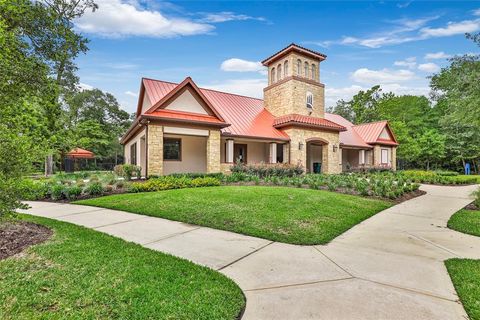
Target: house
x=180, y=127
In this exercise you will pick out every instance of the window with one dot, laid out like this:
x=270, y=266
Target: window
x=306, y=70
x=361, y=157
x=299, y=67
x=314, y=72
x=273, y=75
x=279, y=72
x=384, y=156
x=133, y=154
x=172, y=149
x=285, y=68
x=309, y=100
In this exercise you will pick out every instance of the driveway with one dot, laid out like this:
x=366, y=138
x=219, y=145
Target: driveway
x=388, y=267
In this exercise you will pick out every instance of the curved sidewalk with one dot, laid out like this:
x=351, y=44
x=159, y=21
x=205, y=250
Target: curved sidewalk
x=390, y=266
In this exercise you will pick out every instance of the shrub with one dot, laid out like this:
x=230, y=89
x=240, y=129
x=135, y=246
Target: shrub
x=128, y=171
x=57, y=192
x=73, y=192
x=94, y=188
x=193, y=175
x=263, y=170
x=33, y=190
x=171, y=182
x=476, y=194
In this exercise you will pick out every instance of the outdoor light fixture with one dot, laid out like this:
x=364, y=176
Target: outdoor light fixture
x=300, y=145
x=334, y=148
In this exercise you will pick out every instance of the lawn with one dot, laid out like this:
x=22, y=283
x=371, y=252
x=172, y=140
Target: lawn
x=466, y=221
x=290, y=215
x=84, y=274
x=465, y=274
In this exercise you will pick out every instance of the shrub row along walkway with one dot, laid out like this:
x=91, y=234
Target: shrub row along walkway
x=389, y=266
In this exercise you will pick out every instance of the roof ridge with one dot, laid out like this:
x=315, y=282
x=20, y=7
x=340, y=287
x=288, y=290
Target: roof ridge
x=366, y=123
x=233, y=94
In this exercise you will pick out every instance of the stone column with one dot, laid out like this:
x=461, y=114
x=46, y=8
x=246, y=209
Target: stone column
x=377, y=156
x=272, y=154
x=394, y=158
x=155, y=150
x=213, y=151
x=229, y=151
x=286, y=153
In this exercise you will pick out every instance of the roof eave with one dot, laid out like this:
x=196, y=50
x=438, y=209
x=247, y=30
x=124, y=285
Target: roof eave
x=302, y=124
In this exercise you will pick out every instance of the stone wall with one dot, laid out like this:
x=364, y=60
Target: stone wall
x=155, y=149
x=213, y=151
x=331, y=162
x=392, y=156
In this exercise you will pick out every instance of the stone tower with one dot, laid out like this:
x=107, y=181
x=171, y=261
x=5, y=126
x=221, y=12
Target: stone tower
x=294, y=85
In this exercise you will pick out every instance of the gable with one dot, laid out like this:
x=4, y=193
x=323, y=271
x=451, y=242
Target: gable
x=385, y=134
x=146, y=103
x=186, y=102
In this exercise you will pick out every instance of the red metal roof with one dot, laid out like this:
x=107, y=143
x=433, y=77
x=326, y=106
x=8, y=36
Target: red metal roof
x=80, y=153
x=292, y=119
x=349, y=137
x=247, y=116
x=294, y=47
x=370, y=132
x=185, y=116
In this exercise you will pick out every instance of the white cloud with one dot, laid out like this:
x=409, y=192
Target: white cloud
x=228, y=16
x=428, y=67
x=383, y=76
x=407, y=30
x=115, y=18
x=240, y=65
x=410, y=63
x=246, y=87
x=452, y=28
x=437, y=55
x=131, y=94
x=332, y=95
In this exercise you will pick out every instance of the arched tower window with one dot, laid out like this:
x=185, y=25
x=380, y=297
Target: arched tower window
x=279, y=72
x=306, y=70
x=299, y=67
x=273, y=75
x=285, y=68
x=314, y=72
x=309, y=101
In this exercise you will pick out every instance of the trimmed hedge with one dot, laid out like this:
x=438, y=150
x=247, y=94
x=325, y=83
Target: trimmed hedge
x=263, y=170
x=171, y=182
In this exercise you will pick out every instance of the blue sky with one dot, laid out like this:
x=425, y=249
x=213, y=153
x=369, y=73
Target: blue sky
x=396, y=44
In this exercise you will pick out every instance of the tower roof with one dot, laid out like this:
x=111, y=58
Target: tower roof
x=294, y=48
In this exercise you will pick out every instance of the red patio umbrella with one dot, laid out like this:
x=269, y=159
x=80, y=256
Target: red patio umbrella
x=79, y=153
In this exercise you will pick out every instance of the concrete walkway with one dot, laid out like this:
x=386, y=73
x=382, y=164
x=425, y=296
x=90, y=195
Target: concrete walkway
x=387, y=267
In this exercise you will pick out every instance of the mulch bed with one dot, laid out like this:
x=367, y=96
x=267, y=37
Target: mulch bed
x=17, y=236
x=471, y=206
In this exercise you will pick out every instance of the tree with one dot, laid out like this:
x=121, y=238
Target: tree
x=46, y=27
x=344, y=109
x=456, y=89
x=364, y=105
x=94, y=115
x=432, y=147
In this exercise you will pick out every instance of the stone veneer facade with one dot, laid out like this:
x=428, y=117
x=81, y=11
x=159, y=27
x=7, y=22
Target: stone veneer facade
x=331, y=161
x=213, y=151
x=155, y=149
x=288, y=95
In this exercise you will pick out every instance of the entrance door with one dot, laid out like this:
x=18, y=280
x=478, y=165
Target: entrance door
x=240, y=153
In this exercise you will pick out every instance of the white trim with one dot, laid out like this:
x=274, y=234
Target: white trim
x=186, y=131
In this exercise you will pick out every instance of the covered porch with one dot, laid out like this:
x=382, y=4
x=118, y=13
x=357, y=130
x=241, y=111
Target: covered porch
x=355, y=158
x=253, y=151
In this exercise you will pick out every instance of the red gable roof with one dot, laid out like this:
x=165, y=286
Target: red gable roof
x=349, y=137
x=297, y=119
x=370, y=132
x=247, y=116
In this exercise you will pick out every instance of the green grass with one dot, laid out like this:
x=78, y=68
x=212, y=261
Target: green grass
x=298, y=216
x=84, y=274
x=466, y=221
x=465, y=274
x=469, y=176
